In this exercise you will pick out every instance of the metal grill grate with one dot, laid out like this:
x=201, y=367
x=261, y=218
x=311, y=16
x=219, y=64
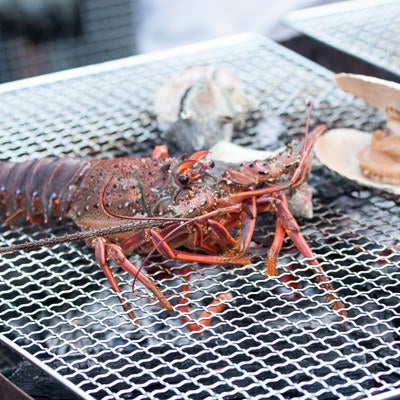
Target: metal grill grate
x=272, y=341
x=365, y=29
x=108, y=32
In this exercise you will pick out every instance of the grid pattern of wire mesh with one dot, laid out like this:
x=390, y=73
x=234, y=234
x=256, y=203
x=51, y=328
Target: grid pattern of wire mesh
x=275, y=339
x=108, y=33
x=366, y=29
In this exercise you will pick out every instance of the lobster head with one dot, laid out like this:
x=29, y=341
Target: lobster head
x=235, y=179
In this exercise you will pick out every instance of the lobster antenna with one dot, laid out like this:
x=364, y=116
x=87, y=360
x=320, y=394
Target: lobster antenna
x=52, y=241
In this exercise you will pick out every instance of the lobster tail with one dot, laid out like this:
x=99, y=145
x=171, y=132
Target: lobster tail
x=36, y=191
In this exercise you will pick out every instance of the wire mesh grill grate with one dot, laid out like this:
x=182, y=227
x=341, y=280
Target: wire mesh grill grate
x=368, y=30
x=108, y=33
x=272, y=340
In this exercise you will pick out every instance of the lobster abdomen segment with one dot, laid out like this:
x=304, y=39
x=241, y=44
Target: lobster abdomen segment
x=38, y=190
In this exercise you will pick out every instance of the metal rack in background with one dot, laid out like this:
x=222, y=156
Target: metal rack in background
x=272, y=341
x=367, y=29
x=106, y=31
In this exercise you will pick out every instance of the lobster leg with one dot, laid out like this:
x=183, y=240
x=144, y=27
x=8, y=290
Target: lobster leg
x=167, y=251
x=292, y=229
x=104, y=251
x=218, y=304
x=273, y=254
x=222, y=233
x=198, y=240
x=265, y=203
x=101, y=258
x=206, y=317
x=248, y=222
x=274, y=250
x=247, y=213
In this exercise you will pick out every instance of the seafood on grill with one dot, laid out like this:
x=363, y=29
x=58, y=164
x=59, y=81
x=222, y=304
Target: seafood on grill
x=370, y=159
x=194, y=209
x=201, y=106
x=299, y=198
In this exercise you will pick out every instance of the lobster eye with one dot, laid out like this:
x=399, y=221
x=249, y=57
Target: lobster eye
x=183, y=179
x=211, y=164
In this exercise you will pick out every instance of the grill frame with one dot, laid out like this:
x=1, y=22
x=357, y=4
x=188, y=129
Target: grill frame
x=290, y=107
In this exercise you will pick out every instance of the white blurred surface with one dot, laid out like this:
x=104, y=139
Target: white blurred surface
x=165, y=24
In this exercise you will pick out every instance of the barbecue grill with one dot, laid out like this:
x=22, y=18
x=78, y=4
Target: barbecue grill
x=367, y=29
x=274, y=340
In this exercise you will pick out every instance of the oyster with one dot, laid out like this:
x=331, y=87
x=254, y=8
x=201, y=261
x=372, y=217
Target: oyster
x=201, y=106
x=370, y=159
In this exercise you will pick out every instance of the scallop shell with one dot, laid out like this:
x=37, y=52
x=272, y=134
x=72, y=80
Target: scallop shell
x=379, y=93
x=338, y=148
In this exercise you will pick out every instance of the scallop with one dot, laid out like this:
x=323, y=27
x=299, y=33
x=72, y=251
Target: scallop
x=379, y=93
x=338, y=149
x=371, y=159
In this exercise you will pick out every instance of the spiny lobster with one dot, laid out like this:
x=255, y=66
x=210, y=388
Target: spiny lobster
x=190, y=209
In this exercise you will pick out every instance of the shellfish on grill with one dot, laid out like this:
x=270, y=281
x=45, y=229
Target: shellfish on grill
x=372, y=160
x=201, y=106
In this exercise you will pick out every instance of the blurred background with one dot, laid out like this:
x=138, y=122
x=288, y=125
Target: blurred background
x=43, y=36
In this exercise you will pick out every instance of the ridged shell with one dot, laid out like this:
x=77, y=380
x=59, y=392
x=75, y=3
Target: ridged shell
x=379, y=93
